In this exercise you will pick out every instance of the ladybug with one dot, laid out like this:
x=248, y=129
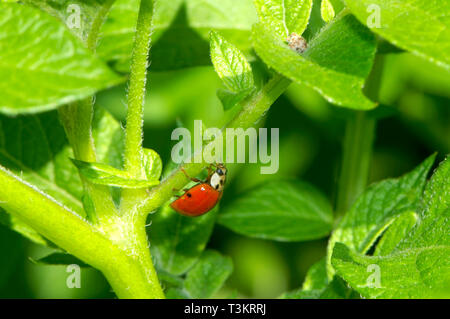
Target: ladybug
x=202, y=197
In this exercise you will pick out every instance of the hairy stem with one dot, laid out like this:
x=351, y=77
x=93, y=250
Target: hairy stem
x=357, y=146
x=133, y=145
x=77, y=120
x=357, y=152
x=127, y=276
x=128, y=233
x=92, y=39
x=251, y=112
x=136, y=93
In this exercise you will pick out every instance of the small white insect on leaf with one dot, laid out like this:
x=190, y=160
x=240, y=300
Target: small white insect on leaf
x=297, y=43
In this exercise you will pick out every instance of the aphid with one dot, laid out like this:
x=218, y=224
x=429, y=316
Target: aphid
x=201, y=198
x=297, y=43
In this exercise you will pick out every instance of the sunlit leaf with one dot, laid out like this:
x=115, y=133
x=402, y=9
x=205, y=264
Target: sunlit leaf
x=378, y=207
x=152, y=164
x=336, y=63
x=37, y=150
x=284, y=16
x=419, y=26
x=234, y=70
x=103, y=174
x=42, y=65
x=327, y=11
x=418, y=266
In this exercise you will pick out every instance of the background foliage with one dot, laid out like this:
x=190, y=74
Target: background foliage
x=237, y=254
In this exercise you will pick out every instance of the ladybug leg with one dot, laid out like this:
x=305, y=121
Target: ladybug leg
x=191, y=178
x=176, y=191
x=210, y=170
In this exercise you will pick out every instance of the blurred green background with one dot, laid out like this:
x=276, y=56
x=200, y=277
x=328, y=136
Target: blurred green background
x=415, y=100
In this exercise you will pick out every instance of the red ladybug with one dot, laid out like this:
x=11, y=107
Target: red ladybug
x=201, y=198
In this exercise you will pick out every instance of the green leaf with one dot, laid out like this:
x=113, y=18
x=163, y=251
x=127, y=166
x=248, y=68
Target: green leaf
x=60, y=259
x=78, y=15
x=280, y=210
x=170, y=279
x=178, y=241
x=419, y=26
x=413, y=273
x=284, y=16
x=314, y=284
x=327, y=10
x=317, y=286
x=208, y=275
x=338, y=289
x=301, y=294
x=230, y=64
x=336, y=63
x=437, y=192
x=316, y=278
x=58, y=69
x=401, y=226
x=103, y=174
x=152, y=164
x=377, y=208
x=176, y=293
x=17, y=225
x=234, y=70
x=181, y=31
x=109, y=138
x=418, y=266
x=35, y=148
x=230, y=99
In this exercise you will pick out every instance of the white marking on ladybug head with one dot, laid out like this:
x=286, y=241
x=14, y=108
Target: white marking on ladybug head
x=217, y=180
x=297, y=43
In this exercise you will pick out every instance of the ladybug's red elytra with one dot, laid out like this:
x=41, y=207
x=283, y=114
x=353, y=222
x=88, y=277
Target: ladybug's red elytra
x=201, y=198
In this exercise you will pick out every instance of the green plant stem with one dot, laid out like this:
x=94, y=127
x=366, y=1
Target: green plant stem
x=116, y=245
x=127, y=275
x=357, y=146
x=251, y=112
x=136, y=92
x=357, y=152
x=128, y=233
x=77, y=120
x=100, y=17
x=133, y=144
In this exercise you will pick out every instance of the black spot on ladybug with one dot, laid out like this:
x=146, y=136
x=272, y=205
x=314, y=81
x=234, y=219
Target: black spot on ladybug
x=219, y=171
x=217, y=186
x=189, y=195
x=221, y=182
